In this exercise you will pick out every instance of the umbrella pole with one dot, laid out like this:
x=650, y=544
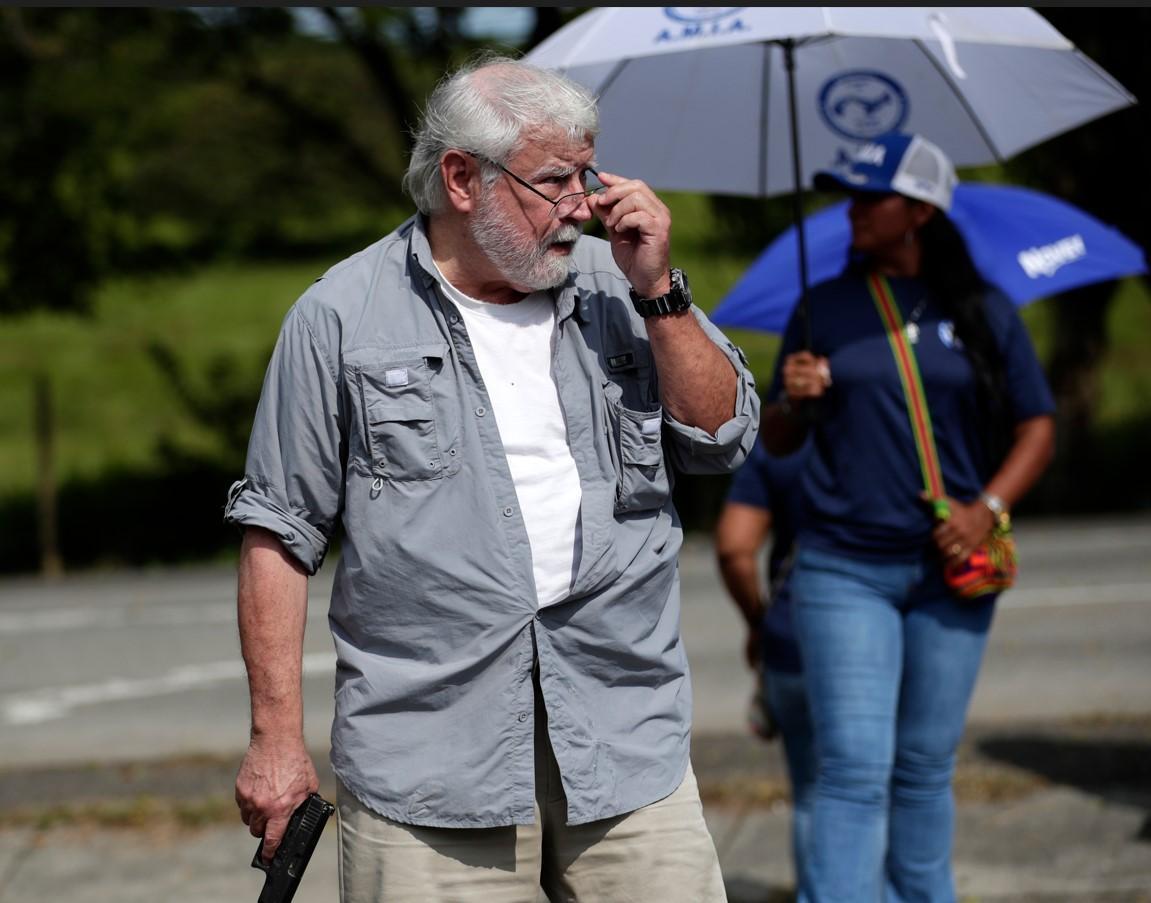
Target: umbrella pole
x=797, y=181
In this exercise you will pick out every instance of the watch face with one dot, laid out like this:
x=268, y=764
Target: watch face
x=680, y=290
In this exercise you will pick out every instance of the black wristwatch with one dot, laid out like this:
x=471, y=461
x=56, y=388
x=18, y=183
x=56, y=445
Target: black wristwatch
x=679, y=298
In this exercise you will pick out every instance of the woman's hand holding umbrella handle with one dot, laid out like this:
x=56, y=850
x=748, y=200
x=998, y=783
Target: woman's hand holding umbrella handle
x=805, y=376
x=784, y=424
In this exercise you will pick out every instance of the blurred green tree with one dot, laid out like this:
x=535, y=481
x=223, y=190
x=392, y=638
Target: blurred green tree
x=1097, y=167
x=147, y=138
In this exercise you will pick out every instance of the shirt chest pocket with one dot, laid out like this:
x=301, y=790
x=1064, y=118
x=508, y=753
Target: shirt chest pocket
x=407, y=436
x=636, y=442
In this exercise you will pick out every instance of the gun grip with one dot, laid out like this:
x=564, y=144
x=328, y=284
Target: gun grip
x=283, y=873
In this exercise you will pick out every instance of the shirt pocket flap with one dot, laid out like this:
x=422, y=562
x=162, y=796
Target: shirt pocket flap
x=386, y=405
x=396, y=389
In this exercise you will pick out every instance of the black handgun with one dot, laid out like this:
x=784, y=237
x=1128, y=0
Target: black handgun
x=282, y=875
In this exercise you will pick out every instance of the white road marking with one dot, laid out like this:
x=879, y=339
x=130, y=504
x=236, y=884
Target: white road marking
x=1088, y=594
x=47, y=705
x=13, y=623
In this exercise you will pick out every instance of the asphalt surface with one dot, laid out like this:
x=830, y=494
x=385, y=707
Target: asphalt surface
x=123, y=716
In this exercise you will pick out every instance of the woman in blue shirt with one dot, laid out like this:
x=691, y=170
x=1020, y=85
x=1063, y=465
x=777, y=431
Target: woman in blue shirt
x=890, y=654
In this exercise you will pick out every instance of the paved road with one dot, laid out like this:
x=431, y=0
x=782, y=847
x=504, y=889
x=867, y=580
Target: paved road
x=1072, y=638
x=129, y=666
x=1054, y=783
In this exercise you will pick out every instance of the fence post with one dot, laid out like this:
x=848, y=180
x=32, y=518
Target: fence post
x=46, y=496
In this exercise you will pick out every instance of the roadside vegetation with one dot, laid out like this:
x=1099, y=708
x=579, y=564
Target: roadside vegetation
x=171, y=180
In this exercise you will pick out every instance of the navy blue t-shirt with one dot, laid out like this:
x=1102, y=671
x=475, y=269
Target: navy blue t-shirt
x=863, y=484
x=773, y=484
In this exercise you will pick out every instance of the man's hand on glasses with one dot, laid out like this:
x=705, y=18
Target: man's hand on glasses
x=638, y=226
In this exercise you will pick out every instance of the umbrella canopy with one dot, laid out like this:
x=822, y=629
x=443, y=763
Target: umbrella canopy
x=697, y=98
x=1027, y=243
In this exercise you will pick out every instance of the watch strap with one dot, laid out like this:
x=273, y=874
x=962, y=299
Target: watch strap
x=677, y=299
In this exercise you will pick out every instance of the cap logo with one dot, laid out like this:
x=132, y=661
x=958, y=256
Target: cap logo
x=871, y=154
x=863, y=104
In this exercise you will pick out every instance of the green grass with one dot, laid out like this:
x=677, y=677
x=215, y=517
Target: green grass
x=113, y=405
x=1125, y=379
x=713, y=272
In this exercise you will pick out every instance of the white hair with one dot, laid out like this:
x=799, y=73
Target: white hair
x=489, y=107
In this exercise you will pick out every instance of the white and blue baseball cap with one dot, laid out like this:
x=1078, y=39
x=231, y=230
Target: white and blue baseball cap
x=907, y=164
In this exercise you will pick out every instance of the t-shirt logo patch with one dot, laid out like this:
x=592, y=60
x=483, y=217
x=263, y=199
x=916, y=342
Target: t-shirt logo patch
x=396, y=377
x=948, y=337
x=621, y=361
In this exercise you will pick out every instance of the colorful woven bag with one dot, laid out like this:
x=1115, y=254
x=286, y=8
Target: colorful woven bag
x=992, y=566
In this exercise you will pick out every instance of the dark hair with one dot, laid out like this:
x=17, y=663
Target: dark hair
x=955, y=284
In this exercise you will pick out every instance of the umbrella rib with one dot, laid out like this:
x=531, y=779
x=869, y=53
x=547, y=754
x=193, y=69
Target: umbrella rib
x=1095, y=69
x=946, y=76
x=607, y=82
x=763, y=119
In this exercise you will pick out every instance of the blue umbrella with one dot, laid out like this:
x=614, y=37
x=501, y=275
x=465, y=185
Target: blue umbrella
x=1029, y=244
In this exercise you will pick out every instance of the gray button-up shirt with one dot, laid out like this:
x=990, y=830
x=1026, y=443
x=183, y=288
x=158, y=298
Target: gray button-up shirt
x=374, y=417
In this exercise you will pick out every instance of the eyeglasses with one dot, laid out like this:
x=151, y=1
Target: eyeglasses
x=563, y=206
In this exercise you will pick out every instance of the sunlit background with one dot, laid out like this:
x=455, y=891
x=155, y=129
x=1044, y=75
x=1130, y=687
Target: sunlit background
x=172, y=179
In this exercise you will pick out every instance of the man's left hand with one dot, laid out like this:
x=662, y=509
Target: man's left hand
x=639, y=228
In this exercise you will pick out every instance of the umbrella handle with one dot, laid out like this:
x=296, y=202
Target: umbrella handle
x=797, y=181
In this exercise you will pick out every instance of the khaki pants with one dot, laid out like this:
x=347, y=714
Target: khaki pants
x=661, y=853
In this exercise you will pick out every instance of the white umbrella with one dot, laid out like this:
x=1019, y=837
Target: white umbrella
x=696, y=98
x=723, y=99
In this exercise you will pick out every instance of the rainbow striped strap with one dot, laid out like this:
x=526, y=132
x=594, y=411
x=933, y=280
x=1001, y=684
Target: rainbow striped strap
x=913, y=393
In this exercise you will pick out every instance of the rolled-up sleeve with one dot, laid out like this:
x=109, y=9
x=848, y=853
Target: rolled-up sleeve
x=694, y=450
x=294, y=476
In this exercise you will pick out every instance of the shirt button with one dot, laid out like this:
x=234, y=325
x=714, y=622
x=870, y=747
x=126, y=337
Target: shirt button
x=522, y=717
x=452, y=452
x=481, y=410
x=509, y=511
x=454, y=318
x=433, y=464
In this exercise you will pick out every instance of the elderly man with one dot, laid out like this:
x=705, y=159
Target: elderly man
x=491, y=409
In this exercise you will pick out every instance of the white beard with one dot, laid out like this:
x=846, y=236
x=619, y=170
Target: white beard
x=522, y=262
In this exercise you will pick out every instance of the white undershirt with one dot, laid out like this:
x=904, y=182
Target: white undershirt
x=513, y=347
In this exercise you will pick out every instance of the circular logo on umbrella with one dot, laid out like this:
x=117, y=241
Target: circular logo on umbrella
x=699, y=13
x=863, y=104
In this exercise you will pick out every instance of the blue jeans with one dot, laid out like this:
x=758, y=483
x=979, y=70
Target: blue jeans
x=787, y=698
x=890, y=660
